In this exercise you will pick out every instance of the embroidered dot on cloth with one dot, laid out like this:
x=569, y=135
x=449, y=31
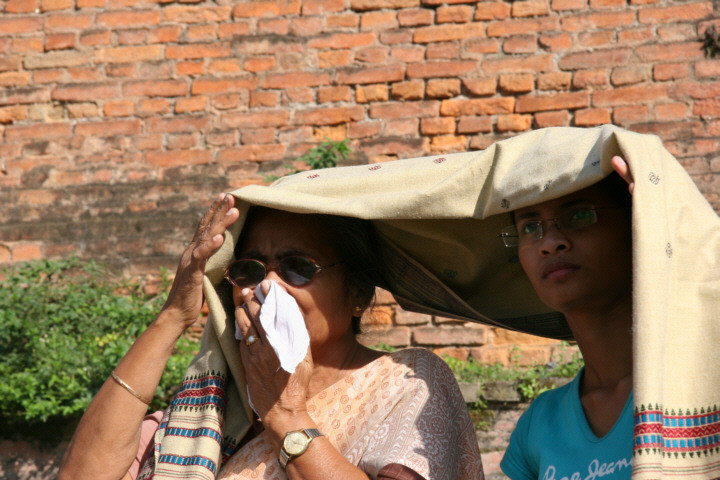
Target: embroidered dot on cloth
x=654, y=178
x=375, y=167
x=439, y=160
x=668, y=250
x=505, y=204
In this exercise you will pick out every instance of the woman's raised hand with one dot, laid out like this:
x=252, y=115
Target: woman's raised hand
x=273, y=390
x=623, y=169
x=186, y=297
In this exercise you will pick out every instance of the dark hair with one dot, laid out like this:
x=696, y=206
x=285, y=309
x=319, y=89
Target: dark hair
x=354, y=240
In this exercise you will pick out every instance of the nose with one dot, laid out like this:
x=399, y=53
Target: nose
x=272, y=274
x=553, y=240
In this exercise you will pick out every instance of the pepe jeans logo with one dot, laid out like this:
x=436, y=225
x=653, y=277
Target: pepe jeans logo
x=595, y=470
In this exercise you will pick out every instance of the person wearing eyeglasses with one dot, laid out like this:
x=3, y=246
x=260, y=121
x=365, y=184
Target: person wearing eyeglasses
x=344, y=411
x=576, y=250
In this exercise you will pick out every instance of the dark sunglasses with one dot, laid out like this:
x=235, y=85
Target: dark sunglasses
x=295, y=270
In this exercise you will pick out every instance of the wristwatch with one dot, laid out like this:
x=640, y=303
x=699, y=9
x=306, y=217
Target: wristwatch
x=295, y=444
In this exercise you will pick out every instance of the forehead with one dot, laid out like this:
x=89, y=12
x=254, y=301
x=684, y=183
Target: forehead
x=591, y=195
x=274, y=231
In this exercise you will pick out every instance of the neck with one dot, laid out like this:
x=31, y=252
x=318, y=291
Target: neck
x=344, y=357
x=605, y=339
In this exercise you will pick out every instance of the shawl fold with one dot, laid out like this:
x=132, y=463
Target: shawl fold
x=438, y=218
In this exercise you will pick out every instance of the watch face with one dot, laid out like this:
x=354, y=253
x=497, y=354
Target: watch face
x=295, y=443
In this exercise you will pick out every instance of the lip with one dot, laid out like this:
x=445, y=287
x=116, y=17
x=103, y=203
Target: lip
x=558, y=270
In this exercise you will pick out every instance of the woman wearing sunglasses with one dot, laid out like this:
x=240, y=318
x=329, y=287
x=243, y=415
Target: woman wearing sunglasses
x=346, y=411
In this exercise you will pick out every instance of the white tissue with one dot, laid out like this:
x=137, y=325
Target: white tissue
x=284, y=326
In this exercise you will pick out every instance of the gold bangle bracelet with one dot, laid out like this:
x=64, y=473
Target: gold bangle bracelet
x=127, y=387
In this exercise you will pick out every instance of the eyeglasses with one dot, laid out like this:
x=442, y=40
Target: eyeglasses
x=295, y=270
x=529, y=231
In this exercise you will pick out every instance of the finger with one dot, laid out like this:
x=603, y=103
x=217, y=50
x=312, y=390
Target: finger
x=206, y=219
x=248, y=312
x=623, y=169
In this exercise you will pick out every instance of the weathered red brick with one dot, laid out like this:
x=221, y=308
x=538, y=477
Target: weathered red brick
x=23, y=251
x=14, y=79
x=234, y=29
x=190, y=104
x=394, y=37
x=266, y=9
x=229, y=101
x=128, y=18
x=412, y=90
x=630, y=75
x=59, y=41
x=405, y=109
x=294, y=80
x=220, y=66
x=444, y=2
x=554, y=81
x=363, y=5
x=676, y=13
x=448, y=144
x=129, y=54
x=383, y=74
x=41, y=130
x=378, y=20
x=606, y=58
x=401, y=127
x=334, y=94
x=118, y=108
x=68, y=21
x=371, y=93
x=258, y=136
x=552, y=119
x=410, y=54
x=152, y=106
x=506, y=28
x=705, y=108
x=474, y=124
x=177, y=124
x=454, y=14
x=444, y=50
x=259, y=64
x=415, y=17
x=634, y=36
x=469, y=335
x=444, y=88
x=256, y=119
x=590, y=117
x=555, y=101
x=196, y=14
x=480, y=86
x=522, y=83
x=108, y=128
x=298, y=95
x=95, y=37
x=671, y=111
x=363, y=129
x=670, y=71
x=520, y=44
x=513, y=123
x=670, y=52
x=593, y=21
x=252, y=153
x=394, y=337
x=198, y=50
x=27, y=45
x=530, y=8
x=222, y=85
x=629, y=95
x=82, y=110
x=11, y=25
x=56, y=59
x=456, y=107
x=674, y=32
x=155, y=88
x=322, y=7
x=440, y=69
x=329, y=116
x=178, y=158
x=437, y=125
x=51, y=5
x=446, y=33
x=75, y=93
x=492, y=10
x=13, y=113
x=334, y=58
x=338, y=41
x=20, y=6
x=534, y=63
x=273, y=26
x=586, y=78
x=556, y=42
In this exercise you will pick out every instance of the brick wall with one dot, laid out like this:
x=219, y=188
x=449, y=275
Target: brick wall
x=120, y=119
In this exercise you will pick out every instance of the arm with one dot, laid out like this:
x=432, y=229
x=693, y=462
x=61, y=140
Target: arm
x=107, y=438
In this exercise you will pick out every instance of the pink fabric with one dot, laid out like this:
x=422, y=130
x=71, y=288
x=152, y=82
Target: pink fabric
x=145, y=449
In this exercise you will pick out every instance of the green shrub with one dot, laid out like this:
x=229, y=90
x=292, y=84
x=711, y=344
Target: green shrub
x=64, y=325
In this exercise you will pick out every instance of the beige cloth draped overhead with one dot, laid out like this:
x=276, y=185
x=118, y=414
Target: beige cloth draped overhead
x=439, y=218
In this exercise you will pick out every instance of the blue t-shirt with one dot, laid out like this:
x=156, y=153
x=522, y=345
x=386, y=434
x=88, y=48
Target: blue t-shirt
x=553, y=441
